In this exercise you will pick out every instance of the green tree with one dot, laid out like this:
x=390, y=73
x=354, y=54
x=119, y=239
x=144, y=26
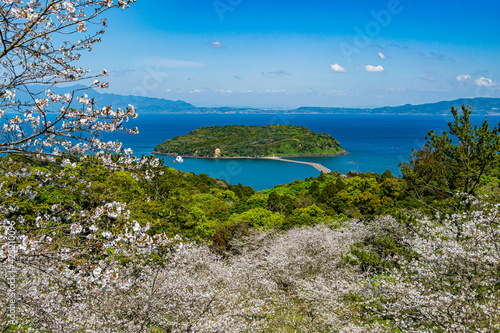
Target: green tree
x=387, y=174
x=454, y=162
x=274, y=203
x=259, y=218
x=314, y=190
x=307, y=216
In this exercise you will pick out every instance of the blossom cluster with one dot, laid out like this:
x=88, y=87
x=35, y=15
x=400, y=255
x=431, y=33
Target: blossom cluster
x=451, y=284
x=45, y=122
x=272, y=278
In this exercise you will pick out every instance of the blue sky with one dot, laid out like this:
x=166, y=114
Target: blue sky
x=285, y=54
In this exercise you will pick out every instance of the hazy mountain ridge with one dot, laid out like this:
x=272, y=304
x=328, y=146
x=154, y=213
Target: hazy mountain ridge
x=480, y=105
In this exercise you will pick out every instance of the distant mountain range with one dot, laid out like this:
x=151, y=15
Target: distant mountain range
x=480, y=105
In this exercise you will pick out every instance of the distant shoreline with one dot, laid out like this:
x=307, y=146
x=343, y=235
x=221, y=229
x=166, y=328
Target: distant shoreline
x=318, y=113
x=249, y=157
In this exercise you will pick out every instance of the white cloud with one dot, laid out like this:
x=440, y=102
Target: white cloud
x=216, y=45
x=461, y=78
x=395, y=89
x=170, y=63
x=381, y=55
x=276, y=73
x=485, y=82
x=337, y=93
x=119, y=72
x=374, y=69
x=196, y=91
x=481, y=82
x=337, y=68
x=429, y=79
x=274, y=91
x=433, y=90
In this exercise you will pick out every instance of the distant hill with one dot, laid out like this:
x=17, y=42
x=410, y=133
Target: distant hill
x=143, y=104
x=251, y=141
x=151, y=104
x=480, y=105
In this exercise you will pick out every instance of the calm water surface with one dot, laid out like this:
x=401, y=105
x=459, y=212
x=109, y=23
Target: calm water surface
x=375, y=143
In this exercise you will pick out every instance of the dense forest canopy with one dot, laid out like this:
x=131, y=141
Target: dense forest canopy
x=251, y=141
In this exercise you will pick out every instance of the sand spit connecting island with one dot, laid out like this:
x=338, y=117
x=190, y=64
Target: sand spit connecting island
x=272, y=142
x=317, y=166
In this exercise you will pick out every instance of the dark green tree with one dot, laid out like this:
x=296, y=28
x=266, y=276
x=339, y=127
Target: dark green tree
x=314, y=190
x=387, y=174
x=328, y=192
x=274, y=203
x=454, y=162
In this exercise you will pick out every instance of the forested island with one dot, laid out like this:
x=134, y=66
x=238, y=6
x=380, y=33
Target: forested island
x=251, y=141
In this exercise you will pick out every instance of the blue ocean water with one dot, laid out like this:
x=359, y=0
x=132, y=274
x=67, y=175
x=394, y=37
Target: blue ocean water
x=375, y=143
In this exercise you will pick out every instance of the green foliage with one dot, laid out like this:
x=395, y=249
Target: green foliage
x=355, y=196
x=260, y=218
x=280, y=203
x=251, y=141
x=373, y=255
x=242, y=191
x=200, y=207
x=387, y=174
x=457, y=163
x=363, y=257
x=307, y=216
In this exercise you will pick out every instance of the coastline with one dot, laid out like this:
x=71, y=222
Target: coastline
x=250, y=157
x=317, y=166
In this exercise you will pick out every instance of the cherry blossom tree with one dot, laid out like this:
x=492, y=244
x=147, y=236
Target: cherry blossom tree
x=41, y=43
x=451, y=283
x=274, y=282
x=52, y=258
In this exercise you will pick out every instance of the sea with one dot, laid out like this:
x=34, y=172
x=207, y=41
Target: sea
x=375, y=143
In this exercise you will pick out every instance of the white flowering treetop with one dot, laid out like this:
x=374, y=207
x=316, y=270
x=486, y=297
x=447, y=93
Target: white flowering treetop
x=451, y=283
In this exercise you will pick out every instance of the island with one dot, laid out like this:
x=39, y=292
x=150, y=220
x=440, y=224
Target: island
x=238, y=141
